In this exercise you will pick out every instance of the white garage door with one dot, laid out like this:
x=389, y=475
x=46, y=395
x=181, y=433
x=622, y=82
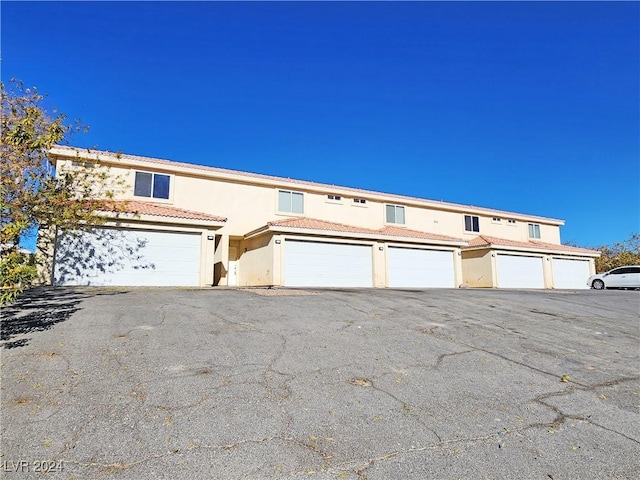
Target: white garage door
x=316, y=264
x=119, y=257
x=570, y=273
x=414, y=268
x=516, y=271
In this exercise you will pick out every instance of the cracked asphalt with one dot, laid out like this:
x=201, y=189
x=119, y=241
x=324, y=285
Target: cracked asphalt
x=353, y=384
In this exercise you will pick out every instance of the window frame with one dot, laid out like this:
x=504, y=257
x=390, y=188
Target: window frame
x=534, y=228
x=152, y=187
x=359, y=202
x=291, y=196
x=395, y=214
x=473, y=223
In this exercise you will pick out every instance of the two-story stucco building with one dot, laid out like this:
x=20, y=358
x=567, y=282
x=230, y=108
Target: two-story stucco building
x=192, y=225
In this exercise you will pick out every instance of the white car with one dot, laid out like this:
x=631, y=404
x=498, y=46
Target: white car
x=621, y=277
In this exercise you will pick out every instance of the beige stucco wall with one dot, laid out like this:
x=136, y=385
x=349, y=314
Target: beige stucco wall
x=248, y=206
x=250, y=203
x=256, y=261
x=477, y=268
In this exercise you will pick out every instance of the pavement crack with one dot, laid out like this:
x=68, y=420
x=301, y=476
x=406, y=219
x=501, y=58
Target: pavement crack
x=119, y=466
x=408, y=407
x=76, y=435
x=441, y=358
x=562, y=416
x=357, y=309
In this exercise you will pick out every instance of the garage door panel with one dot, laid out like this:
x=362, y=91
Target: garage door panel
x=519, y=271
x=120, y=257
x=419, y=268
x=570, y=273
x=319, y=264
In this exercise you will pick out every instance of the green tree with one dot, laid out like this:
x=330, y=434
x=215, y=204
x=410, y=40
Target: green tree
x=34, y=198
x=619, y=254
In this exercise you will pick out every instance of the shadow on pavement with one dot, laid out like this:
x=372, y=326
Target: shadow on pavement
x=39, y=309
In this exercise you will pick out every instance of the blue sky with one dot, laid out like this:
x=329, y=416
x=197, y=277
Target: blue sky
x=530, y=107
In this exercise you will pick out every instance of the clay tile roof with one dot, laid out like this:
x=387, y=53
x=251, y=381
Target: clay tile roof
x=389, y=231
x=485, y=240
x=405, y=232
x=313, y=224
x=154, y=209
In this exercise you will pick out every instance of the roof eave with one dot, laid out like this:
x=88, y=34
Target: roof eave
x=355, y=235
x=542, y=250
x=146, y=218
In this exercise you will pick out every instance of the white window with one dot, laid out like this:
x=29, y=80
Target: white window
x=496, y=220
x=395, y=214
x=335, y=198
x=471, y=223
x=359, y=201
x=511, y=222
x=290, y=202
x=152, y=185
x=534, y=230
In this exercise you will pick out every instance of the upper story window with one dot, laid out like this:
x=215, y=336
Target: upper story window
x=291, y=202
x=511, y=222
x=395, y=214
x=471, y=223
x=534, y=230
x=359, y=201
x=335, y=198
x=152, y=185
x=496, y=220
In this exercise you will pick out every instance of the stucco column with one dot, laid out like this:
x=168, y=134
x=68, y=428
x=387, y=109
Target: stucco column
x=221, y=255
x=278, y=245
x=457, y=265
x=380, y=274
x=494, y=270
x=45, y=249
x=207, y=262
x=547, y=271
x=592, y=266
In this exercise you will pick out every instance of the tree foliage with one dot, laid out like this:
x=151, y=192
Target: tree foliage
x=33, y=196
x=619, y=254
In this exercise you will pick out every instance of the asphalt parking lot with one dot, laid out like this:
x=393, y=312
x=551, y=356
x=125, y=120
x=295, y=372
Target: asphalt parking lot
x=354, y=384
